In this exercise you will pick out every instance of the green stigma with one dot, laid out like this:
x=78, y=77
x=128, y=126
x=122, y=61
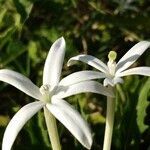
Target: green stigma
x=112, y=55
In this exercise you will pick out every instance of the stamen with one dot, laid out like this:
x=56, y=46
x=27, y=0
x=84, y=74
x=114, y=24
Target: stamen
x=46, y=92
x=112, y=56
x=45, y=89
x=111, y=63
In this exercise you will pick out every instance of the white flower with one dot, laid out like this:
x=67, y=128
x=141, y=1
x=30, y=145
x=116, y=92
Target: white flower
x=51, y=95
x=112, y=72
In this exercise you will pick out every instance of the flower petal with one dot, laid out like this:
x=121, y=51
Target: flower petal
x=17, y=122
x=132, y=55
x=82, y=87
x=80, y=77
x=117, y=80
x=54, y=63
x=107, y=82
x=112, y=82
x=72, y=120
x=145, y=71
x=21, y=82
x=90, y=60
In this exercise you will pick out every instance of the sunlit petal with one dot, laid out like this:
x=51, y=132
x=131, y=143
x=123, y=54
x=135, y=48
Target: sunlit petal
x=132, y=55
x=90, y=60
x=82, y=87
x=54, y=63
x=72, y=120
x=21, y=82
x=17, y=122
x=81, y=76
x=145, y=71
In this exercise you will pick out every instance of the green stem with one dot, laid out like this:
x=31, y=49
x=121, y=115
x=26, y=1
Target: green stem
x=109, y=122
x=52, y=129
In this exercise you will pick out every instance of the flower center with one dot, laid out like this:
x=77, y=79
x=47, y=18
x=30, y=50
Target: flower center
x=111, y=63
x=46, y=92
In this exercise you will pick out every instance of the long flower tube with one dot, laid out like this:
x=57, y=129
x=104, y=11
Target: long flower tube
x=112, y=73
x=50, y=97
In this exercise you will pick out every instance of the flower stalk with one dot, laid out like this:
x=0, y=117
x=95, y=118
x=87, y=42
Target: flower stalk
x=52, y=130
x=110, y=114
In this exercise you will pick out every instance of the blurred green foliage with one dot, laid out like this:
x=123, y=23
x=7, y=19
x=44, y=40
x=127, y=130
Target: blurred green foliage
x=27, y=30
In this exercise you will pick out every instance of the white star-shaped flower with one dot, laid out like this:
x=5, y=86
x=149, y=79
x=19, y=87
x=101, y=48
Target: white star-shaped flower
x=112, y=72
x=51, y=95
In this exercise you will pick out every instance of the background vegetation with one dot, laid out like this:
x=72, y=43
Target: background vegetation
x=27, y=30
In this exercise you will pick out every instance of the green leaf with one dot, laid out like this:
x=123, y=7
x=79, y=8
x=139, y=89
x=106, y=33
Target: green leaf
x=32, y=50
x=14, y=50
x=142, y=105
x=2, y=14
x=24, y=8
x=4, y=120
x=96, y=118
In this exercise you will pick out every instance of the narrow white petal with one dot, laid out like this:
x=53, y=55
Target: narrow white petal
x=145, y=71
x=117, y=80
x=72, y=120
x=112, y=82
x=21, y=82
x=54, y=63
x=132, y=55
x=80, y=77
x=90, y=60
x=17, y=122
x=107, y=82
x=82, y=87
